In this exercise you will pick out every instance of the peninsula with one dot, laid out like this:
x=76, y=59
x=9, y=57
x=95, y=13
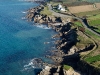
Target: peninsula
x=78, y=27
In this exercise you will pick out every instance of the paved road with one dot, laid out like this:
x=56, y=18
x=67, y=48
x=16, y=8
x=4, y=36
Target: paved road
x=80, y=19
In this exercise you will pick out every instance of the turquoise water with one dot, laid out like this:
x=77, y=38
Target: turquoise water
x=20, y=41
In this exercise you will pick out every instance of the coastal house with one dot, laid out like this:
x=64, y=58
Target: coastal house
x=60, y=7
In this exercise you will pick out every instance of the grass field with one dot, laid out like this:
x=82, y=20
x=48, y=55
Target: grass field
x=46, y=11
x=94, y=22
x=66, y=67
x=92, y=35
x=94, y=17
x=93, y=56
x=55, y=3
x=89, y=13
x=93, y=59
x=83, y=41
x=77, y=23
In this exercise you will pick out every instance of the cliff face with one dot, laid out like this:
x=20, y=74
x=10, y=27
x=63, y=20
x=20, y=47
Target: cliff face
x=57, y=71
x=87, y=69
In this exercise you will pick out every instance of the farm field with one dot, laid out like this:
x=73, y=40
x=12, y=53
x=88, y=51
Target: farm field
x=83, y=8
x=94, y=22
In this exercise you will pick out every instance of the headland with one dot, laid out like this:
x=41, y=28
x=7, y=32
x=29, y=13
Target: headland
x=77, y=50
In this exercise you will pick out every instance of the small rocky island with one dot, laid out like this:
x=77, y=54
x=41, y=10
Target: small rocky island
x=72, y=47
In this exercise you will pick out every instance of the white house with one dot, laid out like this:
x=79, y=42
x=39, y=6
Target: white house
x=61, y=8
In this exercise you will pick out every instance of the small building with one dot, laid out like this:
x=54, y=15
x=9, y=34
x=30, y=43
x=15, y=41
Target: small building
x=60, y=7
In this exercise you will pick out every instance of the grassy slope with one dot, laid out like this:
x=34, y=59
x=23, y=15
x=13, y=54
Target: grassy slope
x=90, y=57
x=94, y=21
x=46, y=11
x=66, y=67
x=89, y=13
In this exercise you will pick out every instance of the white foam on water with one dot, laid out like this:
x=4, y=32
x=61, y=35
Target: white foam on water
x=28, y=66
x=24, y=12
x=42, y=26
x=23, y=18
x=34, y=63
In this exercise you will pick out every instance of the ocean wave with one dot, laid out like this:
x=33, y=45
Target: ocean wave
x=42, y=26
x=23, y=17
x=33, y=64
x=24, y=11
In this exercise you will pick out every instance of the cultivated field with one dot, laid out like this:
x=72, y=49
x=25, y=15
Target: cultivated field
x=98, y=5
x=83, y=8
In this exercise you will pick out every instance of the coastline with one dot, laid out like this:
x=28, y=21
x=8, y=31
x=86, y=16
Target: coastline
x=63, y=31
x=68, y=38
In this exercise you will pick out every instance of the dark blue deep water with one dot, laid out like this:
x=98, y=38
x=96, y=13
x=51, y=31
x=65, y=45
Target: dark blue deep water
x=20, y=40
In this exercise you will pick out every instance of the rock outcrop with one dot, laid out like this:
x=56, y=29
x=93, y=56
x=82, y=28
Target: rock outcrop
x=35, y=15
x=58, y=71
x=45, y=71
x=70, y=72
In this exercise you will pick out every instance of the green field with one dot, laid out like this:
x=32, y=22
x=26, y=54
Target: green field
x=46, y=11
x=89, y=13
x=94, y=17
x=92, y=35
x=78, y=24
x=94, y=22
x=93, y=56
x=93, y=59
x=66, y=67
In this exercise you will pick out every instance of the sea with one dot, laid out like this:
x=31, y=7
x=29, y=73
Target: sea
x=22, y=42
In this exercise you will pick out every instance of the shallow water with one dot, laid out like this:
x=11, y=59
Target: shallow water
x=20, y=41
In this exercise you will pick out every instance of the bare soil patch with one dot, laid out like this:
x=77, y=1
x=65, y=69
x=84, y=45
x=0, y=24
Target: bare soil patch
x=76, y=3
x=98, y=5
x=83, y=8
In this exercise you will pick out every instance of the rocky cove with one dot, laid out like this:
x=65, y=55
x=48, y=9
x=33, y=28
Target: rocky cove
x=66, y=52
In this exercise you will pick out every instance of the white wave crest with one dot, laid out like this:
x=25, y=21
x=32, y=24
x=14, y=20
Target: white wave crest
x=23, y=17
x=34, y=63
x=24, y=12
x=43, y=26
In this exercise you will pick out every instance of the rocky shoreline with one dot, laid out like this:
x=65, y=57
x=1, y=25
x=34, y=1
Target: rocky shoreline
x=66, y=48
x=56, y=23
x=34, y=15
